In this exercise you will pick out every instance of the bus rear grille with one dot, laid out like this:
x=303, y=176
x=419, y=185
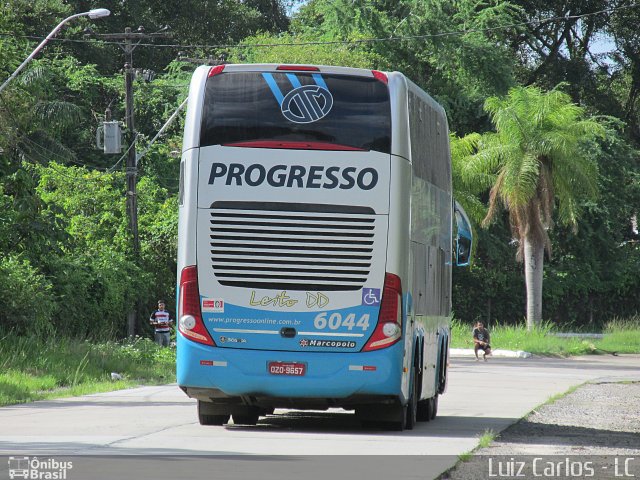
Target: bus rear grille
x=283, y=246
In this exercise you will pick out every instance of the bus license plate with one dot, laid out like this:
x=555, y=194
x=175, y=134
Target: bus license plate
x=287, y=368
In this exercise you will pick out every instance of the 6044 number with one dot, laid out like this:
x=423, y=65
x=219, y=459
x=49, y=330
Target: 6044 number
x=335, y=321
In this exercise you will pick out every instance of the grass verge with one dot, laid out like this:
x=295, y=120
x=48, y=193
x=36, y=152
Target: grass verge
x=554, y=398
x=484, y=441
x=489, y=436
x=35, y=369
x=621, y=336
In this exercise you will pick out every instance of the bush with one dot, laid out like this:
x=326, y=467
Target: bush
x=93, y=294
x=26, y=300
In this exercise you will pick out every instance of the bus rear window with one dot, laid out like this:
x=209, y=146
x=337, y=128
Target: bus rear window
x=337, y=110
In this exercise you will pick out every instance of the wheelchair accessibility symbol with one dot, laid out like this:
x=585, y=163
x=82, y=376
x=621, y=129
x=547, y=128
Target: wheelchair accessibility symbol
x=370, y=296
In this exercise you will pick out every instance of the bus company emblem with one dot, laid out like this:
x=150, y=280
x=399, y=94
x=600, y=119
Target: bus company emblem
x=307, y=104
x=215, y=305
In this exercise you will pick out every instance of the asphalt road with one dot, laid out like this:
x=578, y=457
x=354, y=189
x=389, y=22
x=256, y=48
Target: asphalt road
x=162, y=421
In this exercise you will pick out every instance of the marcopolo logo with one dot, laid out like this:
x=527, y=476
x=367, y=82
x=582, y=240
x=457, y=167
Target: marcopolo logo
x=305, y=342
x=307, y=104
x=294, y=176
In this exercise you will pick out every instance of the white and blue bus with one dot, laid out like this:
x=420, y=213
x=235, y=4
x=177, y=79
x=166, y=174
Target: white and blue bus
x=315, y=244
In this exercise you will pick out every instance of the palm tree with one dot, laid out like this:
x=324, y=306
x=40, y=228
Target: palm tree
x=467, y=189
x=535, y=160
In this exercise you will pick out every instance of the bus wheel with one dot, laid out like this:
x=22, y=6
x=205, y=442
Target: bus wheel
x=442, y=377
x=208, y=419
x=434, y=406
x=412, y=406
x=424, y=410
x=389, y=417
x=401, y=424
x=250, y=418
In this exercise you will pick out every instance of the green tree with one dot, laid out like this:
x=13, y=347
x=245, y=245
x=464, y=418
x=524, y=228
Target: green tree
x=625, y=72
x=467, y=189
x=593, y=276
x=94, y=275
x=450, y=48
x=292, y=48
x=538, y=157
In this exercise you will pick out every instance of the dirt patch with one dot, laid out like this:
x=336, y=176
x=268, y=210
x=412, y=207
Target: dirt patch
x=598, y=420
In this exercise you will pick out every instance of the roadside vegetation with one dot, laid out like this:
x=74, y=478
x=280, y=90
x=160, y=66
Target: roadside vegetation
x=484, y=441
x=620, y=336
x=34, y=368
x=66, y=252
x=68, y=268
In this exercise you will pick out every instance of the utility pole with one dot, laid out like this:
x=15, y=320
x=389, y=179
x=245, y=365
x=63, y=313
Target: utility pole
x=131, y=41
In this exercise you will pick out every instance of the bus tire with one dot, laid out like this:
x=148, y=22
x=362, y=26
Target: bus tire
x=395, y=417
x=400, y=424
x=442, y=374
x=434, y=406
x=424, y=410
x=389, y=417
x=206, y=418
x=412, y=405
x=249, y=418
x=213, y=419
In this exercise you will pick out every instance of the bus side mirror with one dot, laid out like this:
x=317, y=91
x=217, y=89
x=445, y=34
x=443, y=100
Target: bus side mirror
x=464, y=236
x=463, y=251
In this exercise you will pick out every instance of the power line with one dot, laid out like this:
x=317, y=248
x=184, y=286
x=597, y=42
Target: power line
x=60, y=161
x=124, y=155
x=164, y=127
x=55, y=156
x=17, y=135
x=348, y=42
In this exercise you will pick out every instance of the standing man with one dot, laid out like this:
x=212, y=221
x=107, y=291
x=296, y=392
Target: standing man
x=161, y=321
x=481, y=339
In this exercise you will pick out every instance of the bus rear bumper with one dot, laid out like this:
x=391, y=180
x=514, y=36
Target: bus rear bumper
x=226, y=375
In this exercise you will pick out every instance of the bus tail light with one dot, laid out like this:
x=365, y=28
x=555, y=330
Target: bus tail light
x=381, y=76
x=389, y=328
x=278, y=144
x=190, y=322
x=216, y=70
x=297, y=68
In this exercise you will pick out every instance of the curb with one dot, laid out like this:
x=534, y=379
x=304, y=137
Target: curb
x=468, y=352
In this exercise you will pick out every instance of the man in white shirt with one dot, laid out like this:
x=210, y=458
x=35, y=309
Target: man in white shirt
x=161, y=321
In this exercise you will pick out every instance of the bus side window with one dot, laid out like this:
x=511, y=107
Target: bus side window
x=464, y=237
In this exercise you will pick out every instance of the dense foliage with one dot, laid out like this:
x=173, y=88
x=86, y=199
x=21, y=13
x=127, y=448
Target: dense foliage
x=66, y=261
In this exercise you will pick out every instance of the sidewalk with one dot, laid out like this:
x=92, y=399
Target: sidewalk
x=468, y=352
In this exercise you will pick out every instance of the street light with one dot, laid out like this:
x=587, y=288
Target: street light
x=92, y=14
